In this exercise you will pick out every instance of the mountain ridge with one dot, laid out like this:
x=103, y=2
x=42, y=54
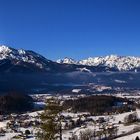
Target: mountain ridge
x=122, y=63
x=27, y=70
x=19, y=60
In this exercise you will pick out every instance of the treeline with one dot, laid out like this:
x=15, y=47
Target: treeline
x=97, y=105
x=15, y=103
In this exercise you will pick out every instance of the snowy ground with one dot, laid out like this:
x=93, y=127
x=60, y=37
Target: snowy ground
x=9, y=135
x=66, y=134
x=112, y=119
x=129, y=137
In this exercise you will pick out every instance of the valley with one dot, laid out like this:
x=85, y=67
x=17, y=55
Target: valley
x=100, y=96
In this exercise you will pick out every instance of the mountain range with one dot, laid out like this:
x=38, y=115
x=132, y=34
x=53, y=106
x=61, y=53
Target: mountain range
x=119, y=63
x=27, y=70
x=13, y=60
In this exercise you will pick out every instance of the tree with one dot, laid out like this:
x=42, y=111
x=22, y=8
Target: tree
x=137, y=138
x=131, y=118
x=51, y=118
x=15, y=102
x=74, y=137
x=86, y=135
x=27, y=132
x=112, y=132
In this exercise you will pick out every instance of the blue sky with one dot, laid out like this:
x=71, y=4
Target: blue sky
x=72, y=28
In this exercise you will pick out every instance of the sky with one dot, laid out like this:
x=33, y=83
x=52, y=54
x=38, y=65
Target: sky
x=71, y=28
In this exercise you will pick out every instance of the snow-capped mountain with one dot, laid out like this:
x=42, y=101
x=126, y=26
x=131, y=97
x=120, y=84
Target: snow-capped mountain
x=20, y=55
x=19, y=60
x=13, y=59
x=121, y=63
x=66, y=60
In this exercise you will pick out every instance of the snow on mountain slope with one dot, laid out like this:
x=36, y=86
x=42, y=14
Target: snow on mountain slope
x=10, y=53
x=21, y=57
x=14, y=59
x=66, y=60
x=122, y=63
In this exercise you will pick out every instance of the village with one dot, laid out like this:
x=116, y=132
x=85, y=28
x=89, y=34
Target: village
x=75, y=126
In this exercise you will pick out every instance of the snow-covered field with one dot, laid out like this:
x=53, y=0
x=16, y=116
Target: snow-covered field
x=66, y=134
x=112, y=120
x=129, y=137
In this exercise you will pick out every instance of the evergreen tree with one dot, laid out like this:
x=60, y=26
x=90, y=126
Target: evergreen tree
x=137, y=138
x=51, y=127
